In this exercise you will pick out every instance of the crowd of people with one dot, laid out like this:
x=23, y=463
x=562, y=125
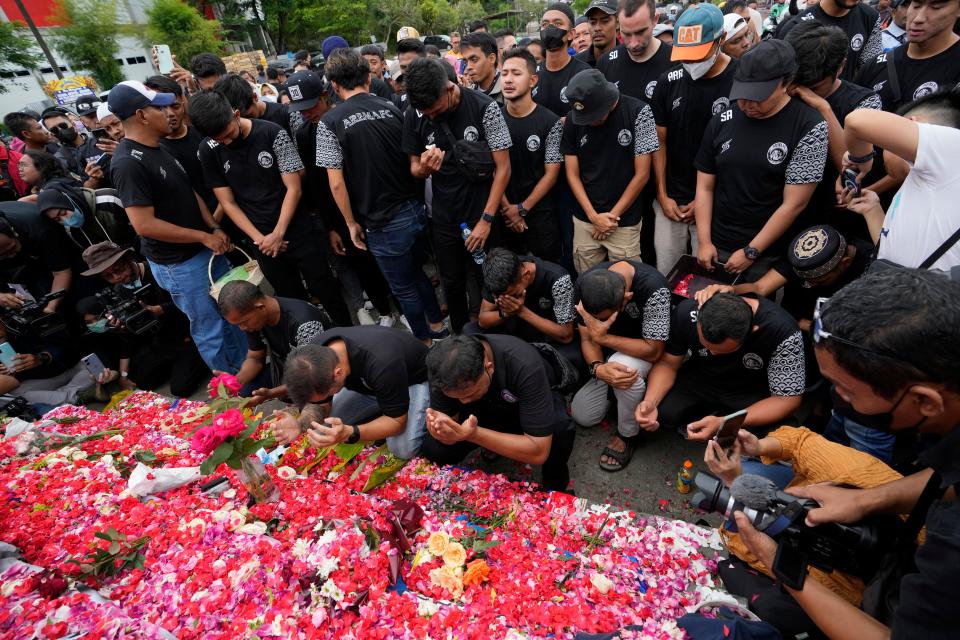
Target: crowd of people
x=483, y=247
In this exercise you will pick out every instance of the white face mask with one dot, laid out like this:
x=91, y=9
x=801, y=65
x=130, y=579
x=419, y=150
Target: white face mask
x=699, y=69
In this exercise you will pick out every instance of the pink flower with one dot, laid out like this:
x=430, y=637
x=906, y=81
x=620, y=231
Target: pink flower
x=229, y=423
x=205, y=440
x=230, y=383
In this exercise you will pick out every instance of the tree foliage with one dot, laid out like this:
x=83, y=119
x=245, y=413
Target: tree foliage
x=16, y=50
x=88, y=39
x=179, y=25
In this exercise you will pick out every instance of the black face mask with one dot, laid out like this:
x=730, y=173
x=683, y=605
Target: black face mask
x=553, y=38
x=67, y=135
x=881, y=422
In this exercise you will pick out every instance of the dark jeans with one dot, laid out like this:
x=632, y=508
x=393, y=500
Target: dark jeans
x=542, y=237
x=305, y=260
x=456, y=268
x=694, y=396
x=400, y=250
x=556, y=473
x=180, y=364
x=358, y=272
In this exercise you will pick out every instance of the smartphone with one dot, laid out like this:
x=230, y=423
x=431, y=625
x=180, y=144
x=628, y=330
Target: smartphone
x=727, y=434
x=7, y=354
x=93, y=365
x=100, y=134
x=850, y=182
x=164, y=58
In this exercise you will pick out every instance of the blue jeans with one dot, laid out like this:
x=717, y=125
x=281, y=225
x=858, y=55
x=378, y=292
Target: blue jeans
x=400, y=250
x=780, y=474
x=852, y=434
x=221, y=345
x=356, y=408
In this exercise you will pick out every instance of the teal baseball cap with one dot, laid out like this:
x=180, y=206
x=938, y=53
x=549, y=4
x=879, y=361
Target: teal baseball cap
x=695, y=32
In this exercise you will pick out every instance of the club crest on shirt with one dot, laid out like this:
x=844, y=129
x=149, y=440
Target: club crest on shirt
x=649, y=88
x=470, y=134
x=856, y=42
x=430, y=138
x=265, y=159
x=545, y=303
x=226, y=166
x=676, y=103
x=533, y=143
x=720, y=104
x=925, y=89
x=624, y=137
x=563, y=95
x=583, y=141
x=632, y=310
x=810, y=243
x=509, y=397
x=295, y=93
x=726, y=145
x=752, y=361
x=777, y=153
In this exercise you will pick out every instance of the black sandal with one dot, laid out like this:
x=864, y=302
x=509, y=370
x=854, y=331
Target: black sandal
x=622, y=457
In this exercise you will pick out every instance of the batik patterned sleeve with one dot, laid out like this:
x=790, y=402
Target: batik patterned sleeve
x=645, y=133
x=786, y=373
x=872, y=101
x=495, y=128
x=656, y=316
x=562, y=291
x=329, y=153
x=872, y=47
x=552, y=154
x=809, y=156
x=288, y=160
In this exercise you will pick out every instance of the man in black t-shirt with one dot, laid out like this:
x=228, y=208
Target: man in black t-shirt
x=529, y=223
x=859, y=21
x=608, y=139
x=274, y=326
x=443, y=114
x=636, y=65
x=243, y=98
x=176, y=229
x=683, y=102
x=358, y=143
x=372, y=383
x=602, y=16
x=254, y=169
x=558, y=67
x=741, y=353
x=496, y=392
x=624, y=310
x=758, y=165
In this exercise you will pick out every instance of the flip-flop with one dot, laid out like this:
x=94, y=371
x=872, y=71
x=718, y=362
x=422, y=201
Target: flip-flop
x=622, y=457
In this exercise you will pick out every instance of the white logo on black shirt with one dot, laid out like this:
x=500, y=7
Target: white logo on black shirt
x=650, y=87
x=583, y=141
x=726, y=115
x=674, y=75
x=294, y=91
x=265, y=159
x=879, y=85
x=676, y=103
x=808, y=16
x=726, y=145
x=535, y=89
x=632, y=310
x=613, y=55
x=545, y=303
x=211, y=143
x=624, y=137
x=777, y=153
x=856, y=42
x=163, y=173
x=470, y=134
x=430, y=138
x=136, y=153
x=563, y=95
x=925, y=89
x=226, y=166
x=720, y=104
x=533, y=142
x=509, y=397
x=752, y=361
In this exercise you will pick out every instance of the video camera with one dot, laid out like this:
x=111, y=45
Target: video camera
x=856, y=549
x=125, y=306
x=30, y=320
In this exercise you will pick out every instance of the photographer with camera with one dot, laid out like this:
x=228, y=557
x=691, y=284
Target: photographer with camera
x=813, y=459
x=890, y=342
x=33, y=255
x=140, y=333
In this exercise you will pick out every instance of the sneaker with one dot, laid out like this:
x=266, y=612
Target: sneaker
x=389, y=321
x=365, y=317
x=405, y=324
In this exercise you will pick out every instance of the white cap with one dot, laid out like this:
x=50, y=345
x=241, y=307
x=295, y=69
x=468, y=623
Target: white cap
x=103, y=111
x=733, y=24
x=662, y=27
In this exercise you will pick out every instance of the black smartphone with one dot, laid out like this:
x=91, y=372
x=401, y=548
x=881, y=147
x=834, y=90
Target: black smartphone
x=850, y=182
x=100, y=134
x=727, y=434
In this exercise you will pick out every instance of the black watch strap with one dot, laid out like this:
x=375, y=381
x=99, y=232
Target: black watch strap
x=487, y=217
x=355, y=436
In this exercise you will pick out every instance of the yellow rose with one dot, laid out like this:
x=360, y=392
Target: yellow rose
x=449, y=579
x=455, y=555
x=437, y=543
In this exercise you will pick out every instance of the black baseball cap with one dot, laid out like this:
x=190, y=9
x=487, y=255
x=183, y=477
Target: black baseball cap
x=86, y=105
x=591, y=96
x=609, y=7
x=761, y=69
x=305, y=89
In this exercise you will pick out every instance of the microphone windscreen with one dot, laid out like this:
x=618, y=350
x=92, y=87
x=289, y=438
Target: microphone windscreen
x=753, y=491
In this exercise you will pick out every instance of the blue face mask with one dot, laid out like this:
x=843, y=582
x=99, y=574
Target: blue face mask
x=136, y=284
x=74, y=220
x=100, y=326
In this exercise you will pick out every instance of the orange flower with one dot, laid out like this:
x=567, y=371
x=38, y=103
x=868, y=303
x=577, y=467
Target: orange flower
x=455, y=555
x=449, y=579
x=437, y=543
x=477, y=572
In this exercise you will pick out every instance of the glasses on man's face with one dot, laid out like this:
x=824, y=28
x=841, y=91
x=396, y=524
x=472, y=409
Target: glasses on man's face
x=820, y=334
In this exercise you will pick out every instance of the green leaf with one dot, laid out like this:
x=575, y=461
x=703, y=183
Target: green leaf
x=346, y=453
x=384, y=472
x=145, y=456
x=102, y=536
x=482, y=546
x=114, y=535
x=221, y=453
x=233, y=463
x=114, y=548
x=246, y=433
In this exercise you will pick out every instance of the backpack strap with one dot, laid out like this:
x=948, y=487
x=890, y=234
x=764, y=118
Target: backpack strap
x=893, y=78
x=942, y=249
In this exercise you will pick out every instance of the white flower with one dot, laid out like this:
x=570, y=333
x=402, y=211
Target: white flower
x=300, y=548
x=235, y=520
x=601, y=582
x=332, y=591
x=257, y=528
x=286, y=473
x=427, y=608
x=327, y=566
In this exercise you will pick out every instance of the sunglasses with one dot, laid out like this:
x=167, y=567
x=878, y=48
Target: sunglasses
x=820, y=334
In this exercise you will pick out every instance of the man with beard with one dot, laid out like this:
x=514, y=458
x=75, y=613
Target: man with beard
x=602, y=18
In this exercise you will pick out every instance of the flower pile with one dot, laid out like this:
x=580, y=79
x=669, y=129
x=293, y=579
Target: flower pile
x=431, y=553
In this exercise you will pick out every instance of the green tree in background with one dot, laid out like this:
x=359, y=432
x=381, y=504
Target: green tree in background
x=16, y=50
x=179, y=25
x=88, y=39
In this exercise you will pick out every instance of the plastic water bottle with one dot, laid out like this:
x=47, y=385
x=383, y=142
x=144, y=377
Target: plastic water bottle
x=685, y=478
x=479, y=255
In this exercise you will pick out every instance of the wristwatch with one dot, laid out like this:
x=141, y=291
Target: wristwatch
x=522, y=210
x=751, y=253
x=487, y=217
x=861, y=159
x=593, y=367
x=355, y=436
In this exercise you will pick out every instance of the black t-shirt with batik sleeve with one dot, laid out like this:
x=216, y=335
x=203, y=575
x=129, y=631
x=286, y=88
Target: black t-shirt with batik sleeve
x=550, y=295
x=362, y=136
x=917, y=78
x=862, y=26
x=636, y=79
x=299, y=323
x=551, y=89
x=150, y=177
x=253, y=168
x=647, y=314
x=684, y=107
x=384, y=362
x=752, y=160
x=606, y=154
x=771, y=358
x=536, y=143
x=477, y=119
